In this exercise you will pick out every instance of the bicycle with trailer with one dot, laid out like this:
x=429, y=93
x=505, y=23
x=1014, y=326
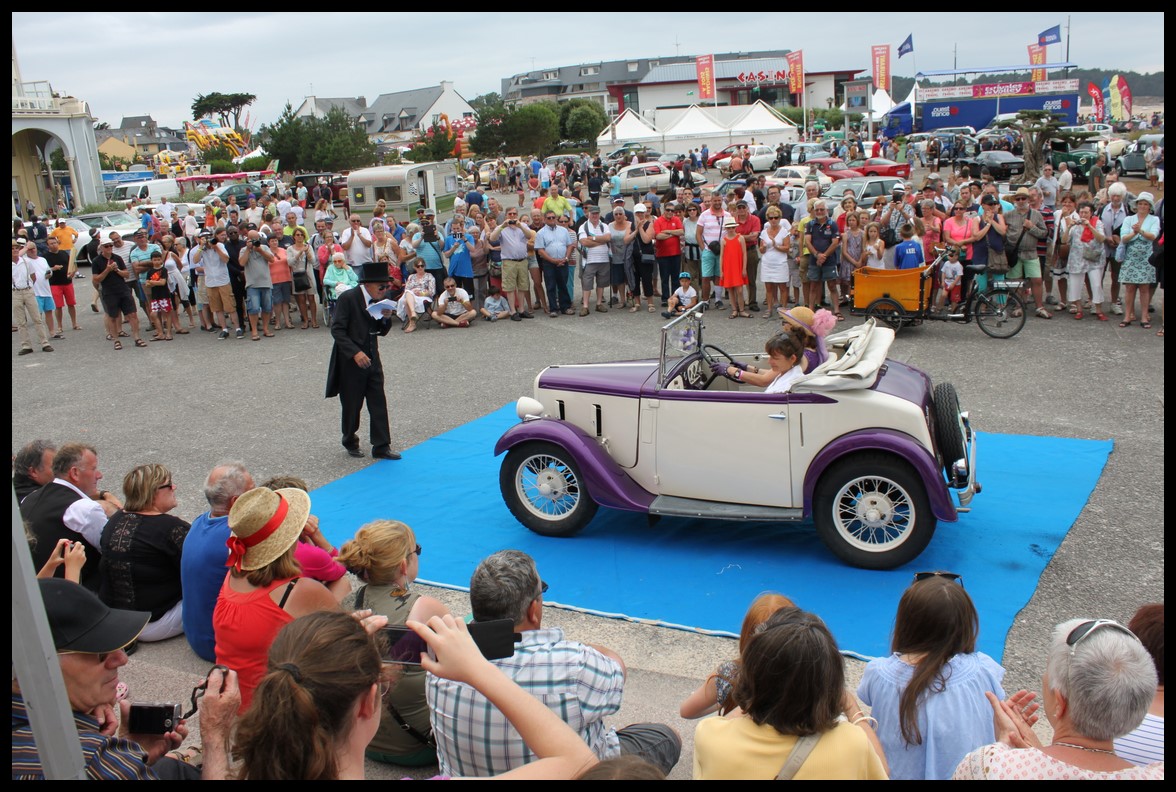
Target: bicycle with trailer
x=898, y=298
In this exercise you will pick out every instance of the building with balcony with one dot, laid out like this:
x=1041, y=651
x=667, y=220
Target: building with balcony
x=399, y=117
x=41, y=118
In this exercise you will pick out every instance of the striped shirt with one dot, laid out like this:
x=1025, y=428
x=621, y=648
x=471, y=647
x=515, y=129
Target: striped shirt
x=1144, y=745
x=576, y=682
x=107, y=758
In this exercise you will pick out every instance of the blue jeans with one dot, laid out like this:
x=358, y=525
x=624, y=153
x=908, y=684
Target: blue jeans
x=258, y=300
x=555, y=280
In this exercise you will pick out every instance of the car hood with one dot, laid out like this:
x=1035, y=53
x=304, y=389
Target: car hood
x=611, y=379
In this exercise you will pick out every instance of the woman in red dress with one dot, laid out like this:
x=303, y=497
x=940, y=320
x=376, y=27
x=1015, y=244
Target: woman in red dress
x=733, y=255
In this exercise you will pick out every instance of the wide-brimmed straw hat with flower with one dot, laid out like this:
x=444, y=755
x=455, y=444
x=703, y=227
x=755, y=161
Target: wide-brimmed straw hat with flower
x=264, y=524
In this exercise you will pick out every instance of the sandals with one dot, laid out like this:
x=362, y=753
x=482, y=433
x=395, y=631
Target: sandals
x=255, y=337
x=1041, y=313
x=1145, y=325
x=182, y=331
x=269, y=335
x=1102, y=317
x=123, y=334
x=315, y=325
x=305, y=325
x=139, y=342
x=733, y=314
x=1126, y=323
x=634, y=309
x=744, y=314
x=155, y=338
x=1078, y=314
x=410, y=326
x=117, y=344
x=651, y=309
x=840, y=316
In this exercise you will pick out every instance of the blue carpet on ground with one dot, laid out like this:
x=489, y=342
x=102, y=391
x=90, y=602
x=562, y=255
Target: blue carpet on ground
x=700, y=574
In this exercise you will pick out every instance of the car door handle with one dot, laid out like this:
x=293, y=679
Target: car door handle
x=779, y=416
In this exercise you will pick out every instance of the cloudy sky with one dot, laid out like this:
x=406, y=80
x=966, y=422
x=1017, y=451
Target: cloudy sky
x=144, y=63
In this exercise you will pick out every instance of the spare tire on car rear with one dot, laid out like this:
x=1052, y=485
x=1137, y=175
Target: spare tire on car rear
x=949, y=434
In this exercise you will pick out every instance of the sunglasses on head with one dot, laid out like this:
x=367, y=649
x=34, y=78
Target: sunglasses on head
x=1087, y=627
x=952, y=576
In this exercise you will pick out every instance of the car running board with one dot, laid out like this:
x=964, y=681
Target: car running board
x=669, y=506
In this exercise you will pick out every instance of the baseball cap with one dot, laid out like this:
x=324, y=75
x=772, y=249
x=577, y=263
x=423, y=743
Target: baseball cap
x=105, y=240
x=639, y=208
x=430, y=213
x=988, y=200
x=682, y=275
x=593, y=209
x=80, y=622
x=618, y=200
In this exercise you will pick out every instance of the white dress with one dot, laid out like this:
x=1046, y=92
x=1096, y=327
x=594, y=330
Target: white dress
x=774, y=262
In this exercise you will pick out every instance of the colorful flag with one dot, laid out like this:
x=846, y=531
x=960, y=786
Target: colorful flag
x=705, y=66
x=881, y=53
x=1037, y=56
x=795, y=71
x=908, y=45
x=1125, y=96
x=1096, y=98
x=1050, y=36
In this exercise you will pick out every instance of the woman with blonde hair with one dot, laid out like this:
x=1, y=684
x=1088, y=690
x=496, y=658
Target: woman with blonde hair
x=141, y=548
x=264, y=589
x=322, y=211
x=385, y=555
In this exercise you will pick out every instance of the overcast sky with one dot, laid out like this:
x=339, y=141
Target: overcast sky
x=143, y=63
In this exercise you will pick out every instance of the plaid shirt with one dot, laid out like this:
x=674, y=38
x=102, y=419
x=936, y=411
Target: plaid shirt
x=576, y=682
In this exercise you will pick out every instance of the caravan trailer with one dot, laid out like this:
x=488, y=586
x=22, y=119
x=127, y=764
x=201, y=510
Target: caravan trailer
x=404, y=188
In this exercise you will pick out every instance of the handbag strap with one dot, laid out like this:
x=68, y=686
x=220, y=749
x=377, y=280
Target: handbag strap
x=428, y=740
x=804, y=746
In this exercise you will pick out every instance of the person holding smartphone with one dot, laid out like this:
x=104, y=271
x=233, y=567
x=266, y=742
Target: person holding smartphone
x=385, y=555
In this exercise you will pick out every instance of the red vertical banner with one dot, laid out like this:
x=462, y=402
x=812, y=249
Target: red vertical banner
x=705, y=66
x=881, y=58
x=1125, y=95
x=1096, y=98
x=795, y=71
x=1036, y=57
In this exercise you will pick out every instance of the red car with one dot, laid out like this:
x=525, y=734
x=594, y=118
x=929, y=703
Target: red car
x=879, y=166
x=832, y=167
x=727, y=152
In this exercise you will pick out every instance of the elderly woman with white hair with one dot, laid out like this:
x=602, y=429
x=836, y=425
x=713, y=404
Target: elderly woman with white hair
x=1099, y=682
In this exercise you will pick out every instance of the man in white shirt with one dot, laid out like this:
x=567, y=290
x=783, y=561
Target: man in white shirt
x=24, y=302
x=211, y=258
x=453, y=307
x=710, y=228
x=1065, y=178
x=253, y=213
x=284, y=205
x=356, y=242
x=594, y=236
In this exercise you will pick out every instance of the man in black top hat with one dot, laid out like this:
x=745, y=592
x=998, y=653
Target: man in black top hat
x=355, y=373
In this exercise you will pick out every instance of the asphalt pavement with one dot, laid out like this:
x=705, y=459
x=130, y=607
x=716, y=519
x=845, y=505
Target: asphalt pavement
x=198, y=400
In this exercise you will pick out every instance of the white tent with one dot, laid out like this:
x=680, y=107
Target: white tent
x=677, y=130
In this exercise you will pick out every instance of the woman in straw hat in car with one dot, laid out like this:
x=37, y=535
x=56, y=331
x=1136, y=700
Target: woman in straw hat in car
x=263, y=590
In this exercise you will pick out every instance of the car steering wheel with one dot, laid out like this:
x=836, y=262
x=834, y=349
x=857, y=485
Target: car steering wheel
x=711, y=360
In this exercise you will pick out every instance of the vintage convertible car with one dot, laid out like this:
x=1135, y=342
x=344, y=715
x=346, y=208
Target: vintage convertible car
x=862, y=444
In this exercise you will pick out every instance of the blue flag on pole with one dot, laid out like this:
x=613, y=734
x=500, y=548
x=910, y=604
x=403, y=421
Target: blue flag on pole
x=908, y=45
x=1051, y=36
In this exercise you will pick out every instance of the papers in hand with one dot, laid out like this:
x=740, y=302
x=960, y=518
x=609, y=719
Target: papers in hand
x=377, y=309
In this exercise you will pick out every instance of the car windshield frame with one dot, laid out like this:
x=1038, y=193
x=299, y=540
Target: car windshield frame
x=681, y=337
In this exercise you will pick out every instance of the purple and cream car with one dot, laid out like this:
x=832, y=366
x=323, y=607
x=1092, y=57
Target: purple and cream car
x=862, y=444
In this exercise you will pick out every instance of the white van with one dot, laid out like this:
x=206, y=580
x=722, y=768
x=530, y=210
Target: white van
x=404, y=188
x=147, y=190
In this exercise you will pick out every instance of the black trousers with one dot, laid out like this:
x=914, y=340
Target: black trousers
x=357, y=386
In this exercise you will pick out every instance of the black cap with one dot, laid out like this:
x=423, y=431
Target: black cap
x=80, y=622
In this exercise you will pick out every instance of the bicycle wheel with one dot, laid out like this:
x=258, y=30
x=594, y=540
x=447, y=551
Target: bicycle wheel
x=1000, y=313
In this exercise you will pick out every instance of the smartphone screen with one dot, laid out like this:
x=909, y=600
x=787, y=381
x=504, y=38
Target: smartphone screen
x=402, y=645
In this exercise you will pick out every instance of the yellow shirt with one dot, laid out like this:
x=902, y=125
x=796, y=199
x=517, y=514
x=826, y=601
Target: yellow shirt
x=66, y=236
x=737, y=749
x=559, y=206
x=802, y=225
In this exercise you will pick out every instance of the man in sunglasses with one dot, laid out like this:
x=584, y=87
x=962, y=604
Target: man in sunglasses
x=354, y=373
x=91, y=640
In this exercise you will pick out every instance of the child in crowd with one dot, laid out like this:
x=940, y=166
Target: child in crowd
x=929, y=694
x=683, y=298
x=952, y=273
x=159, y=294
x=713, y=695
x=908, y=254
x=496, y=306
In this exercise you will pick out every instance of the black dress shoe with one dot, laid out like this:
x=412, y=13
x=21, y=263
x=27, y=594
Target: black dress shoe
x=385, y=454
x=355, y=452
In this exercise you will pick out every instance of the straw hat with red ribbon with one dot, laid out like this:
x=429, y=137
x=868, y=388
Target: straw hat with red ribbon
x=265, y=523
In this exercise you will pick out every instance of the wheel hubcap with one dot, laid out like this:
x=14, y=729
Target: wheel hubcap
x=873, y=513
x=547, y=486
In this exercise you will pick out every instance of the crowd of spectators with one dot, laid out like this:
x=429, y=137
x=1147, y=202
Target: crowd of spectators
x=255, y=585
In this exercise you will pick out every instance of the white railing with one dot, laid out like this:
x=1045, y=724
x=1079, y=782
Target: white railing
x=34, y=97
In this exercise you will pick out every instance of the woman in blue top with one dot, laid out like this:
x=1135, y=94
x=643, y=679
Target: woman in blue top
x=928, y=695
x=1140, y=231
x=461, y=267
x=429, y=246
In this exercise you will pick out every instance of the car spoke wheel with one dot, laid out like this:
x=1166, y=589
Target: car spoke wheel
x=544, y=489
x=872, y=512
x=888, y=312
x=999, y=313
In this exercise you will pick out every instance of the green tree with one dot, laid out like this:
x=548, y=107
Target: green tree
x=283, y=140
x=490, y=138
x=584, y=122
x=336, y=142
x=57, y=160
x=107, y=162
x=484, y=101
x=1037, y=127
x=567, y=108
x=533, y=129
x=223, y=106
